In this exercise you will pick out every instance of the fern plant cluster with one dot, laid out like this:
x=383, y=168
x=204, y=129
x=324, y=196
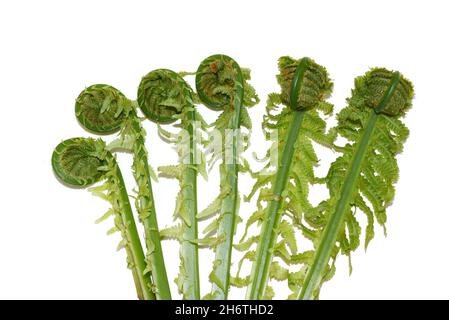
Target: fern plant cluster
x=287, y=237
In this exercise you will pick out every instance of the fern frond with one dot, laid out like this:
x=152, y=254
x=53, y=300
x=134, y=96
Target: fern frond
x=83, y=162
x=165, y=97
x=223, y=86
x=363, y=176
x=293, y=122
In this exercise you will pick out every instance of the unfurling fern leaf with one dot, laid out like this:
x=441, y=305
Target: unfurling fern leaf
x=363, y=176
x=103, y=109
x=304, y=87
x=82, y=162
x=164, y=97
x=222, y=85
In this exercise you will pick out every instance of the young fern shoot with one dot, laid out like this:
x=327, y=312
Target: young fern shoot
x=81, y=162
x=102, y=109
x=364, y=175
x=304, y=86
x=222, y=86
x=165, y=97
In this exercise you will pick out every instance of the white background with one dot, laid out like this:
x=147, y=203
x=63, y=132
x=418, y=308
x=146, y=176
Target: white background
x=51, y=50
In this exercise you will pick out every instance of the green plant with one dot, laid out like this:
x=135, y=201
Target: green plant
x=304, y=86
x=164, y=97
x=102, y=109
x=298, y=241
x=80, y=162
x=363, y=176
x=222, y=86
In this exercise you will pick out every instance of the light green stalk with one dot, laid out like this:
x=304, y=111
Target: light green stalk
x=334, y=225
x=147, y=214
x=264, y=253
x=222, y=86
x=135, y=251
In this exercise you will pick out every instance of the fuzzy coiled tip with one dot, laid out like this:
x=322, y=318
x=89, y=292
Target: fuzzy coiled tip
x=101, y=108
x=304, y=83
x=219, y=81
x=162, y=95
x=78, y=161
x=386, y=91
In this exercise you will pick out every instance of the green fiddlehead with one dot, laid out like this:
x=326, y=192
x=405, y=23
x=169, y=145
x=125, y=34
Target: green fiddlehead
x=165, y=97
x=82, y=162
x=100, y=109
x=363, y=177
x=160, y=94
x=103, y=109
x=304, y=87
x=221, y=85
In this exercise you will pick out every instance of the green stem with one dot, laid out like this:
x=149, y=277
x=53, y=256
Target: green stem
x=226, y=229
x=267, y=241
x=336, y=221
x=152, y=236
x=135, y=278
x=260, y=272
x=134, y=250
x=189, y=244
x=333, y=227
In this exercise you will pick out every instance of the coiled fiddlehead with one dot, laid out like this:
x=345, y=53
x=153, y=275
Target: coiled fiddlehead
x=161, y=96
x=304, y=87
x=103, y=109
x=363, y=176
x=81, y=162
x=100, y=109
x=221, y=85
x=76, y=162
x=165, y=97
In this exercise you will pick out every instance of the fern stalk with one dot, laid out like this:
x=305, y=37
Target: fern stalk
x=221, y=85
x=164, y=97
x=264, y=253
x=155, y=257
x=135, y=247
x=226, y=228
x=189, y=245
x=335, y=223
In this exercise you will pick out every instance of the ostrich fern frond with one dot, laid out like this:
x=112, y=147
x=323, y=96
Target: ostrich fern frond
x=164, y=97
x=283, y=194
x=363, y=177
x=222, y=85
x=81, y=162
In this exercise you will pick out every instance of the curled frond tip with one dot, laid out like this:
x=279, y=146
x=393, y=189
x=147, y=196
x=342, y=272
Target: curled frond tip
x=386, y=91
x=101, y=108
x=219, y=80
x=304, y=83
x=78, y=161
x=162, y=95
